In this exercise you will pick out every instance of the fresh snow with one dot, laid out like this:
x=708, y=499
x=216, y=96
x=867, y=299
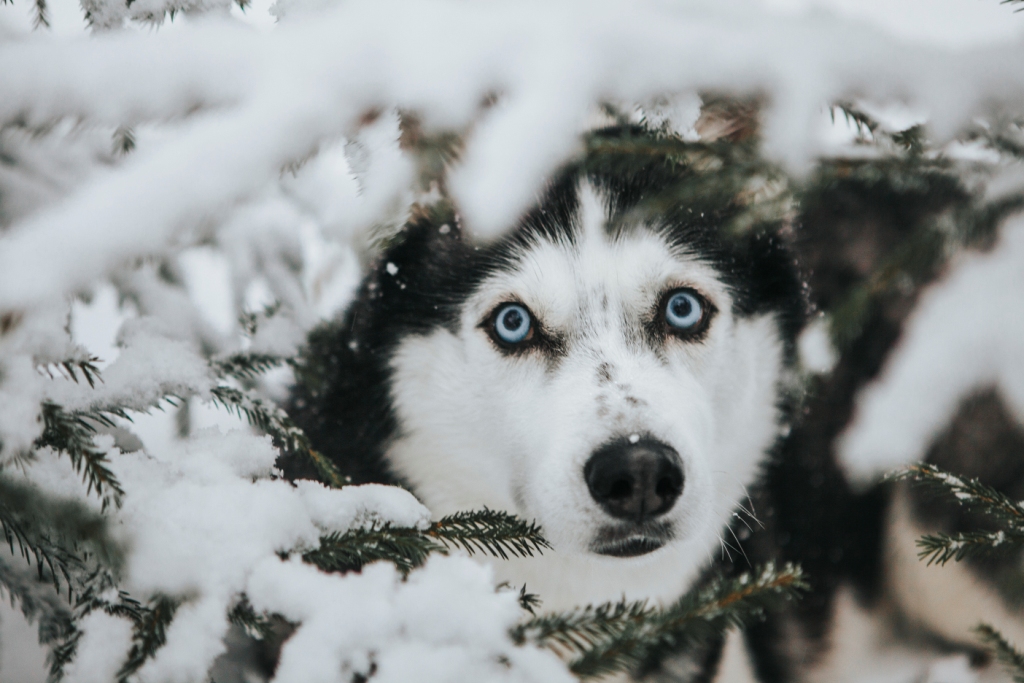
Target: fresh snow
x=267, y=166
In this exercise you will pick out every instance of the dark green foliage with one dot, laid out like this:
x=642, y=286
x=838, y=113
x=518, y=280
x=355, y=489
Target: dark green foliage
x=1007, y=654
x=1005, y=513
x=72, y=433
x=488, y=531
x=41, y=18
x=149, y=626
x=995, y=507
x=37, y=600
x=123, y=140
x=149, y=634
x=634, y=637
x=275, y=422
x=62, y=538
x=71, y=368
x=258, y=626
x=246, y=366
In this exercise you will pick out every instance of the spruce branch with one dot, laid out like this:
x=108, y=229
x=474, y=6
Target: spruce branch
x=941, y=548
x=257, y=626
x=972, y=494
x=149, y=634
x=911, y=140
x=249, y=321
x=123, y=140
x=489, y=531
x=42, y=15
x=864, y=123
x=1009, y=656
x=246, y=366
x=275, y=422
x=498, y=534
x=632, y=636
x=72, y=366
x=38, y=601
x=71, y=433
x=351, y=550
x=62, y=538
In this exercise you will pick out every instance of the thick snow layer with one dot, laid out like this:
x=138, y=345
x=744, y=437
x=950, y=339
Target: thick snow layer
x=967, y=334
x=272, y=159
x=102, y=635
x=256, y=102
x=199, y=523
x=377, y=619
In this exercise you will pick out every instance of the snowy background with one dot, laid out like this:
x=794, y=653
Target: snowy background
x=264, y=163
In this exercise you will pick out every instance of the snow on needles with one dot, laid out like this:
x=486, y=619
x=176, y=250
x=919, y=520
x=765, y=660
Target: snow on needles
x=260, y=101
x=259, y=145
x=206, y=521
x=967, y=334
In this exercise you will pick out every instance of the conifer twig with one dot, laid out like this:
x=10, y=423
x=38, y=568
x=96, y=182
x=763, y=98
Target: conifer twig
x=149, y=634
x=496, y=533
x=1007, y=654
x=246, y=366
x=275, y=422
x=632, y=636
x=972, y=494
x=72, y=433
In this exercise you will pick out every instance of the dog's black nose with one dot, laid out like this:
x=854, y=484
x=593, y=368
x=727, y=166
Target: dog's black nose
x=635, y=481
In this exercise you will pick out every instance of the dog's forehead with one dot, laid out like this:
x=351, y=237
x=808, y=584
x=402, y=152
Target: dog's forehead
x=628, y=270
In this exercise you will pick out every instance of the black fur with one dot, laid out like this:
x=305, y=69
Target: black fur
x=341, y=397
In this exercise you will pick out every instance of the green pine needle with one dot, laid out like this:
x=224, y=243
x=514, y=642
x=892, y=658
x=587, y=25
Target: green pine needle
x=246, y=366
x=149, y=634
x=1009, y=656
x=941, y=548
x=970, y=493
x=632, y=636
x=275, y=422
x=498, y=534
x=489, y=531
x=72, y=433
x=997, y=507
x=72, y=366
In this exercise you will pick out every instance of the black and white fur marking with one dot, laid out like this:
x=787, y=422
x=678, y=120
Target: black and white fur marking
x=412, y=385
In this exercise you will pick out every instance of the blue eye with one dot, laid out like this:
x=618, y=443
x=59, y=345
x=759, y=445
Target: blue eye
x=684, y=310
x=512, y=323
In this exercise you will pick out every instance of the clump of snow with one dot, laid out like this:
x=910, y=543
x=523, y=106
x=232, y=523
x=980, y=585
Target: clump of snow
x=200, y=521
x=102, y=634
x=967, y=334
x=446, y=622
x=254, y=103
x=272, y=159
x=817, y=355
x=151, y=366
x=21, y=391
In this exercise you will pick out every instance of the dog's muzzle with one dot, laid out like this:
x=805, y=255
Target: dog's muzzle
x=635, y=480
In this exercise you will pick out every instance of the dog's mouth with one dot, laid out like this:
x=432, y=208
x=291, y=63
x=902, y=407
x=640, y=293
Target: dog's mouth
x=632, y=541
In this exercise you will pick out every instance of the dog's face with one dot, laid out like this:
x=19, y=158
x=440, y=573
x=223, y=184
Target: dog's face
x=604, y=379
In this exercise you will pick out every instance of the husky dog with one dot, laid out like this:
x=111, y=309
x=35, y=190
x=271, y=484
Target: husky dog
x=613, y=367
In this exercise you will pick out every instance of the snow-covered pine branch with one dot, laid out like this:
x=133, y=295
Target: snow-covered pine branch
x=634, y=637
x=269, y=159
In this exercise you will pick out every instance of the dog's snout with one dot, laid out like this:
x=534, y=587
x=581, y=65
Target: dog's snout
x=635, y=481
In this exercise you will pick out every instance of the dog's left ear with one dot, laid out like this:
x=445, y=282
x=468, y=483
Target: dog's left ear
x=777, y=283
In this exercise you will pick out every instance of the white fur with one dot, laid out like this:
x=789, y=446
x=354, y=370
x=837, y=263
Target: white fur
x=478, y=427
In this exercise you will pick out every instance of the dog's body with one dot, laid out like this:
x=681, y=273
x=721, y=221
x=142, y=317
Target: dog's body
x=641, y=401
